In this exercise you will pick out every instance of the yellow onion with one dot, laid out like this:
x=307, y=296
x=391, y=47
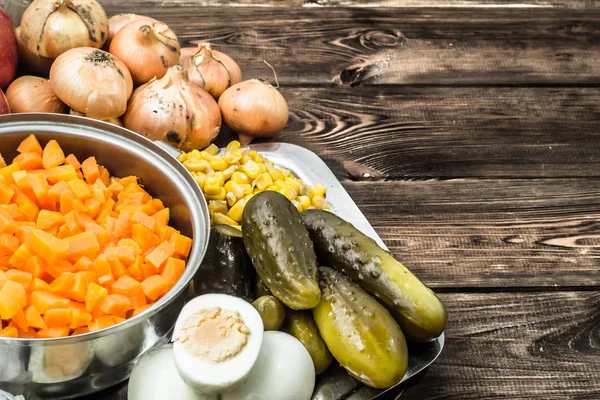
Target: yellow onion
x=254, y=108
x=33, y=94
x=51, y=27
x=175, y=111
x=147, y=47
x=212, y=70
x=116, y=22
x=30, y=62
x=4, y=108
x=92, y=81
x=114, y=121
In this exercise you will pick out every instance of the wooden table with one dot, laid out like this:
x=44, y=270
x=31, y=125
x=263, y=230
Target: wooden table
x=468, y=133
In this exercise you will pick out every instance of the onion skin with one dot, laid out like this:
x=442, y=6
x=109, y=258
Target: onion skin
x=39, y=66
x=173, y=110
x=212, y=70
x=92, y=82
x=116, y=22
x=51, y=27
x=147, y=47
x=33, y=94
x=8, y=50
x=4, y=108
x=254, y=109
x=114, y=121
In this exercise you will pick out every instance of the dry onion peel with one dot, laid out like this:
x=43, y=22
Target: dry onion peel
x=147, y=47
x=51, y=27
x=92, y=82
x=212, y=70
x=33, y=94
x=114, y=121
x=175, y=111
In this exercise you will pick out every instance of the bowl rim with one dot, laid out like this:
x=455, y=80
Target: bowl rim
x=26, y=123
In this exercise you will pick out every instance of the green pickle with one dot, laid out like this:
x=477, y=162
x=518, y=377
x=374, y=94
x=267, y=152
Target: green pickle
x=340, y=245
x=360, y=333
x=271, y=311
x=281, y=251
x=301, y=325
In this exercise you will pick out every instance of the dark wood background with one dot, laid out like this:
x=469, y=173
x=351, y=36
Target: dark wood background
x=467, y=132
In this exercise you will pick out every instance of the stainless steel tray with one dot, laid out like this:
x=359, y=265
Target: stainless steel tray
x=335, y=384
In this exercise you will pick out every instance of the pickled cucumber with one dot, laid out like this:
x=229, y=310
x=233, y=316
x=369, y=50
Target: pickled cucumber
x=360, y=333
x=271, y=311
x=301, y=325
x=260, y=289
x=340, y=245
x=281, y=251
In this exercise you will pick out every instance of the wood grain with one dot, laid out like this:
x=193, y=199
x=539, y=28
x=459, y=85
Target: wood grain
x=517, y=346
x=420, y=133
x=489, y=234
x=350, y=47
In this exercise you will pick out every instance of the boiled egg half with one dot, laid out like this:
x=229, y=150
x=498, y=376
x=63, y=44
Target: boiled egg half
x=216, y=342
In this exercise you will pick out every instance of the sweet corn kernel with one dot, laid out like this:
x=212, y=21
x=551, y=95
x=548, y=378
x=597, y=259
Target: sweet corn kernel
x=264, y=181
x=220, y=195
x=304, y=201
x=318, y=201
x=275, y=173
x=240, y=177
x=254, y=156
x=288, y=192
x=297, y=204
x=286, y=172
x=231, y=199
x=232, y=158
x=293, y=182
x=251, y=169
x=232, y=146
x=213, y=184
x=182, y=157
x=213, y=150
x=319, y=190
x=198, y=165
x=217, y=206
x=236, y=211
x=200, y=178
x=218, y=163
x=223, y=219
x=286, y=186
x=228, y=172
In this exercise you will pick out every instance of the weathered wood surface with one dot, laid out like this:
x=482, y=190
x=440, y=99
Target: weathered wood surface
x=393, y=46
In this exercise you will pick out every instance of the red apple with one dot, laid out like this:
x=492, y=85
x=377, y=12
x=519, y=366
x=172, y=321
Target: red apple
x=3, y=104
x=8, y=50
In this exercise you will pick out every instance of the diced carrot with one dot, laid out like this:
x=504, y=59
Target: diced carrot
x=73, y=161
x=84, y=264
x=57, y=269
x=20, y=257
x=80, y=318
x=115, y=186
x=6, y=193
x=127, y=286
x=23, y=278
x=12, y=299
x=7, y=224
x=99, y=231
x=61, y=173
x=82, y=219
x=117, y=268
x=166, y=233
x=57, y=190
x=69, y=203
x=135, y=269
x=71, y=224
x=52, y=333
x=148, y=270
x=94, y=295
x=101, y=323
x=90, y=169
x=3, y=279
x=80, y=189
x=104, y=175
x=29, y=160
x=182, y=245
x=7, y=172
x=116, y=304
x=93, y=207
x=58, y=317
x=40, y=187
x=81, y=331
x=23, y=185
x=78, y=288
x=38, y=284
x=173, y=270
x=105, y=211
x=98, y=191
x=26, y=205
x=97, y=313
x=52, y=155
x=141, y=309
x=125, y=254
x=63, y=283
x=50, y=248
x=88, y=277
x=123, y=227
x=103, y=270
x=155, y=286
x=20, y=320
x=30, y=144
x=35, y=265
x=160, y=254
x=144, y=237
x=161, y=218
x=49, y=219
x=25, y=232
x=9, y=331
x=82, y=245
x=109, y=224
x=144, y=219
x=44, y=301
x=8, y=243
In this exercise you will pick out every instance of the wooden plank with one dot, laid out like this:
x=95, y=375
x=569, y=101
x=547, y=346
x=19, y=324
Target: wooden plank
x=421, y=133
x=517, y=346
x=489, y=234
x=347, y=46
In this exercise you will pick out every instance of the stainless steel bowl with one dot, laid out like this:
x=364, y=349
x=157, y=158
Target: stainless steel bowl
x=75, y=366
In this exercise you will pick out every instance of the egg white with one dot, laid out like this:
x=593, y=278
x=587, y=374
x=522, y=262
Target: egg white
x=218, y=377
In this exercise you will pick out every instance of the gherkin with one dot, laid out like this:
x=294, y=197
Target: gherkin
x=301, y=325
x=360, y=333
x=271, y=311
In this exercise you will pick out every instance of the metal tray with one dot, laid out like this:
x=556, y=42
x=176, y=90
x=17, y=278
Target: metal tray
x=335, y=384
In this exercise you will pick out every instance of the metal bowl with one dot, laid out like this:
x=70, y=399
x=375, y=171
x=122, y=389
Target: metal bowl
x=78, y=365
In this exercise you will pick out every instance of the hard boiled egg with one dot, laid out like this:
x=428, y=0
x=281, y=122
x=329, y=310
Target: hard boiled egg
x=283, y=371
x=156, y=378
x=216, y=342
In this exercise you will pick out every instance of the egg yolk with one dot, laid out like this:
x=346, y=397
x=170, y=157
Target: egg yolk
x=214, y=334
